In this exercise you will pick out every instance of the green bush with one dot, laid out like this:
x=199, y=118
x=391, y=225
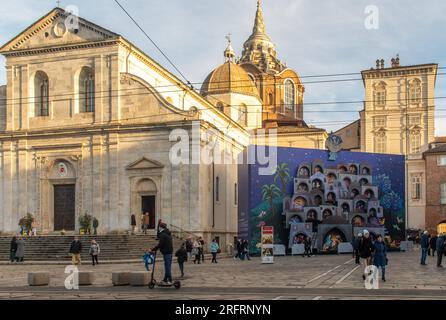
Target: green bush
x=85, y=222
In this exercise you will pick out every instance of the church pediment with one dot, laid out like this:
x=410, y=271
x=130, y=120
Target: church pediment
x=55, y=29
x=144, y=164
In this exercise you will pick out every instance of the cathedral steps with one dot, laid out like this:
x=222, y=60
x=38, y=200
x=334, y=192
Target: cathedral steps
x=55, y=248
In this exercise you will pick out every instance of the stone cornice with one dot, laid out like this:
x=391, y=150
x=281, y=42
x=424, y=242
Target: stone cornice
x=399, y=71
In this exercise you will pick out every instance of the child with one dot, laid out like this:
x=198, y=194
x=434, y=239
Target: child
x=181, y=254
x=148, y=258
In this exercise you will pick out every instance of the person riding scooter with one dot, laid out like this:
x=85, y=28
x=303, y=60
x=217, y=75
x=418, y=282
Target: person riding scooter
x=166, y=248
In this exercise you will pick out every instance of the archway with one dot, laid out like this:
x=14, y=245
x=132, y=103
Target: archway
x=441, y=227
x=332, y=239
x=358, y=221
x=145, y=201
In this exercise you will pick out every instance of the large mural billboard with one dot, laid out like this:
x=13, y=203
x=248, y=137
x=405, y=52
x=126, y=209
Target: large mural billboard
x=313, y=195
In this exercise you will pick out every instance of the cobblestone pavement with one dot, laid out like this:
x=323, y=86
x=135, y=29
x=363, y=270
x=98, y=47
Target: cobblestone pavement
x=319, y=277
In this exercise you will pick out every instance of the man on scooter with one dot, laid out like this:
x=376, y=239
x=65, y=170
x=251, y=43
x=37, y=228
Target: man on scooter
x=166, y=248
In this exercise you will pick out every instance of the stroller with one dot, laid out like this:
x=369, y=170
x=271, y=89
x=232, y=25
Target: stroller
x=153, y=282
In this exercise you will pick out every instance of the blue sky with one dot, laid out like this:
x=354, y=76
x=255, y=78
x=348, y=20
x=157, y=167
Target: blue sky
x=312, y=37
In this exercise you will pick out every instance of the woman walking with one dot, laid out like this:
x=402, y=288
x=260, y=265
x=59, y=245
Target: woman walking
x=365, y=249
x=13, y=249
x=214, y=247
x=196, y=251
x=94, y=252
x=380, y=256
x=20, y=253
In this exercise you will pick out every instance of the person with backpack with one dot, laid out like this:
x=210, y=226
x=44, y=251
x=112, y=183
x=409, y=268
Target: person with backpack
x=181, y=255
x=214, y=248
x=75, y=250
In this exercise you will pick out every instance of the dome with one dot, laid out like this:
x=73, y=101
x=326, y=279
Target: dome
x=229, y=78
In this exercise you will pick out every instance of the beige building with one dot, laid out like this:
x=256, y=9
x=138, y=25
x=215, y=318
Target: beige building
x=88, y=126
x=398, y=118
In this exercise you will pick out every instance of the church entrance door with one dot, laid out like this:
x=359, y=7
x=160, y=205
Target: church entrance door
x=64, y=207
x=148, y=205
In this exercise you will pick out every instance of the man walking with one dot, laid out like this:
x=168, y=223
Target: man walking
x=133, y=223
x=166, y=248
x=424, y=241
x=356, y=243
x=433, y=245
x=189, y=247
x=75, y=250
x=440, y=248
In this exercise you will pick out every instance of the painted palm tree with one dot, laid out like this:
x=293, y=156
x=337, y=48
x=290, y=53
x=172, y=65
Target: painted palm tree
x=282, y=174
x=269, y=193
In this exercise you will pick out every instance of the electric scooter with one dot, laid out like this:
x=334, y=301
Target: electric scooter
x=153, y=282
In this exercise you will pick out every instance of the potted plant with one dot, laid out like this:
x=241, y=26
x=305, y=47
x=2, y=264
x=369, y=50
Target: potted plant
x=25, y=223
x=85, y=223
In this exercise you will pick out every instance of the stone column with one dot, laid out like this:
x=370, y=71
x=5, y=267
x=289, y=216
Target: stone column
x=87, y=177
x=97, y=177
x=104, y=216
x=119, y=218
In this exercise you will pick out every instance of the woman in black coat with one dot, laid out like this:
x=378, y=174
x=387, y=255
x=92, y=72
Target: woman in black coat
x=365, y=249
x=13, y=249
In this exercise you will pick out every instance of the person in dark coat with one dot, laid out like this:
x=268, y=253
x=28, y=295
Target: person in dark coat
x=95, y=225
x=75, y=250
x=440, y=248
x=202, y=243
x=380, y=256
x=365, y=249
x=433, y=245
x=166, y=248
x=424, y=241
x=13, y=249
x=133, y=223
x=189, y=247
x=181, y=255
x=238, y=247
x=307, y=244
x=20, y=252
x=355, y=244
x=245, y=248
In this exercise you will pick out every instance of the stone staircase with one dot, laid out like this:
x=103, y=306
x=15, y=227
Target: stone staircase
x=56, y=247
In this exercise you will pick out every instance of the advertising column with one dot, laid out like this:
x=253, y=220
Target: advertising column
x=267, y=244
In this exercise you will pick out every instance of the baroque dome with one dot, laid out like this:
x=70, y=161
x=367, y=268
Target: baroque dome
x=229, y=78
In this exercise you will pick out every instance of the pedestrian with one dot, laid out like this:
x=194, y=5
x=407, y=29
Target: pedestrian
x=146, y=222
x=75, y=250
x=214, y=248
x=34, y=227
x=241, y=249
x=202, y=244
x=307, y=245
x=94, y=251
x=20, y=252
x=166, y=248
x=196, y=251
x=189, y=247
x=380, y=256
x=424, y=242
x=95, y=226
x=440, y=249
x=238, y=249
x=433, y=245
x=133, y=223
x=13, y=249
x=365, y=249
x=158, y=229
x=148, y=258
x=355, y=243
x=181, y=255
x=245, y=246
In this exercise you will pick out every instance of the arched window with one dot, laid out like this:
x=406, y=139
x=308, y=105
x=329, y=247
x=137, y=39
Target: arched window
x=41, y=94
x=415, y=141
x=86, y=90
x=380, y=142
x=380, y=95
x=290, y=95
x=415, y=91
x=243, y=115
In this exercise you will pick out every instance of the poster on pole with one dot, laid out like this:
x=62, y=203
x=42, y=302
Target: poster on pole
x=267, y=244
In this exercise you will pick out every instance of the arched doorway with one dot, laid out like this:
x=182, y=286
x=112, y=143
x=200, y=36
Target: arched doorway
x=441, y=227
x=145, y=196
x=332, y=239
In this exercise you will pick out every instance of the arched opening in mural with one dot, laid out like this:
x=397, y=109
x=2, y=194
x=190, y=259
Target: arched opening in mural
x=369, y=194
x=358, y=221
x=311, y=216
x=361, y=207
x=347, y=182
x=353, y=169
x=345, y=208
x=317, y=184
x=302, y=187
x=304, y=171
x=295, y=219
x=365, y=171
x=317, y=200
x=363, y=182
x=299, y=238
x=372, y=219
x=326, y=213
x=318, y=169
x=343, y=169
x=332, y=239
x=331, y=198
x=331, y=178
x=355, y=192
x=299, y=202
